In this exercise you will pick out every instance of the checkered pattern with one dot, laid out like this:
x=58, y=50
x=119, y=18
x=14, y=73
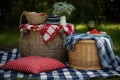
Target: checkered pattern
x=60, y=74
x=105, y=48
x=69, y=28
x=30, y=26
x=50, y=31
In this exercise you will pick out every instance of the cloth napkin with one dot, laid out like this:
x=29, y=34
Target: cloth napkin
x=50, y=31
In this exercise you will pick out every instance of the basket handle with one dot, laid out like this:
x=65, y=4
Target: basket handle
x=21, y=17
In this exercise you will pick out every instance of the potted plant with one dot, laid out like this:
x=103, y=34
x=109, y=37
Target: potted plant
x=62, y=9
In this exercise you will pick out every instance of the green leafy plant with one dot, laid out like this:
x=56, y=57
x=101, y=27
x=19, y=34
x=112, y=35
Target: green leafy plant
x=62, y=8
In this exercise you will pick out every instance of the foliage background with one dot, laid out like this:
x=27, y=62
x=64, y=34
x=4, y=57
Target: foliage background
x=98, y=10
x=101, y=11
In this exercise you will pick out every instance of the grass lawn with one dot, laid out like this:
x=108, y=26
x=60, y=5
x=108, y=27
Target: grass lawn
x=113, y=30
x=9, y=38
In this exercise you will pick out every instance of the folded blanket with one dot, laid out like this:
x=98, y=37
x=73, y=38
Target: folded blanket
x=104, y=45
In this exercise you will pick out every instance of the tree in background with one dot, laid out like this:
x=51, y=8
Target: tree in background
x=98, y=10
x=112, y=10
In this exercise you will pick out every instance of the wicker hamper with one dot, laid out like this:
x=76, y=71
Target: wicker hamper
x=85, y=56
x=34, y=17
x=32, y=44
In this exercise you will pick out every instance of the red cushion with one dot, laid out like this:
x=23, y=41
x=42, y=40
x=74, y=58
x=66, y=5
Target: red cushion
x=33, y=64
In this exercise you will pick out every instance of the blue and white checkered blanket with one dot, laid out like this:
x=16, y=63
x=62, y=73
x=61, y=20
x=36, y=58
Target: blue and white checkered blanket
x=104, y=45
x=61, y=74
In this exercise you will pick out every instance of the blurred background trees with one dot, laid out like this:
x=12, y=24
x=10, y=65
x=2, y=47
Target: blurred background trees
x=101, y=11
x=98, y=10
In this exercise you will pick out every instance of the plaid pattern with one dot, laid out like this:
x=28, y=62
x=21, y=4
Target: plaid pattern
x=69, y=28
x=30, y=26
x=50, y=31
x=60, y=74
x=105, y=49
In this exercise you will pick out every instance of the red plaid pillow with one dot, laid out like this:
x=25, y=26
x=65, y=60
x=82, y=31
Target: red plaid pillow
x=33, y=64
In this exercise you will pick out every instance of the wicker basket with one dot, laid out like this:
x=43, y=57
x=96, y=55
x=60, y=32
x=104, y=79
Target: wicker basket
x=32, y=44
x=34, y=17
x=85, y=56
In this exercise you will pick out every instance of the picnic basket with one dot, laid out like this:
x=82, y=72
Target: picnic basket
x=31, y=43
x=85, y=56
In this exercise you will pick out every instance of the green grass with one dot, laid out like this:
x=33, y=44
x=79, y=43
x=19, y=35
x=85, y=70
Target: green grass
x=9, y=38
x=113, y=30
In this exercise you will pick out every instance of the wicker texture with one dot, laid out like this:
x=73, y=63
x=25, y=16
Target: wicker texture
x=32, y=44
x=85, y=56
x=33, y=17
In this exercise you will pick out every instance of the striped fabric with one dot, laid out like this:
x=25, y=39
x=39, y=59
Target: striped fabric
x=53, y=19
x=60, y=74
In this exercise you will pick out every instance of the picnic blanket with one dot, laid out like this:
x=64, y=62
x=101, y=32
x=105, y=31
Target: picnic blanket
x=60, y=74
x=105, y=48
